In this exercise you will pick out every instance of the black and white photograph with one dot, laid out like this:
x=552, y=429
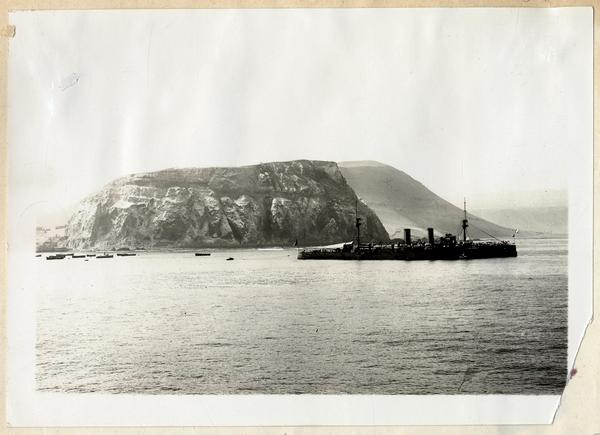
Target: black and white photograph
x=298, y=202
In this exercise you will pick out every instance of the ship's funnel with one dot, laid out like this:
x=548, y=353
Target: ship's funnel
x=407, y=236
x=430, y=236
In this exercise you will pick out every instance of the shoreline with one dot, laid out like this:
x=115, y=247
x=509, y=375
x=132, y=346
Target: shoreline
x=269, y=248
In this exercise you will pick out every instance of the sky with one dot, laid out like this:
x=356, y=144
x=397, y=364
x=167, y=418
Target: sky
x=471, y=102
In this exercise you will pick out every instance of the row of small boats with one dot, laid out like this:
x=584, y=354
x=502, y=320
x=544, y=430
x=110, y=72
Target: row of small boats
x=105, y=255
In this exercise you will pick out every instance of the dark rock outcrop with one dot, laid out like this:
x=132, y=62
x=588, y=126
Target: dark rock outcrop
x=261, y=205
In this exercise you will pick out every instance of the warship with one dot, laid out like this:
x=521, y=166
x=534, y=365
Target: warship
x=447, y=247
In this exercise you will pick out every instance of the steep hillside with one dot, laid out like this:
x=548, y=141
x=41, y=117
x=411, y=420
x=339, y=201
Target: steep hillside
x=402, y=202
x=260, y=205
x=548, y=220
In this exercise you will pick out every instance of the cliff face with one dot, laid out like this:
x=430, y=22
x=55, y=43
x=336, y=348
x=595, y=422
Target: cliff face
x=261, y=205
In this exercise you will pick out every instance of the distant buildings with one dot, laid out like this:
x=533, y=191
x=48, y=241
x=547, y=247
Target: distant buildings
x=50, y=239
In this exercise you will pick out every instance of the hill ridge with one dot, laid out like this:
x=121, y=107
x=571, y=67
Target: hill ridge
x=402, y=201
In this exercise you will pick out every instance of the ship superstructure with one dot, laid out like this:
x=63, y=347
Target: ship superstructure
x=446, y=247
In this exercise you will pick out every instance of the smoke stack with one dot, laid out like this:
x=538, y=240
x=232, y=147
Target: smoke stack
x=407, y=236
x=430, y=235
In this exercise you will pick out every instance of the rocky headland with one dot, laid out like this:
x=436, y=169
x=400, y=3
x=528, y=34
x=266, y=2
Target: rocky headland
x=269, y=204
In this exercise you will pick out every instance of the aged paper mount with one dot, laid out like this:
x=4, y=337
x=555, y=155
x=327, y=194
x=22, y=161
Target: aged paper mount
x=582, y=390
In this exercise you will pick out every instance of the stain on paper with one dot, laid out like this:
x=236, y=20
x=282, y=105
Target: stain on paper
x=8, y=31
x=68, y=81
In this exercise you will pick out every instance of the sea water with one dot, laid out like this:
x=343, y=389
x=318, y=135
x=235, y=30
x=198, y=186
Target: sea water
x=266, y=322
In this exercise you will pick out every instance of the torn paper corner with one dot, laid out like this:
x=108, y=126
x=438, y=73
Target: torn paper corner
x=580, y=373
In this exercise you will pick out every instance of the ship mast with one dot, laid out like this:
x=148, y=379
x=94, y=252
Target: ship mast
x=465, y=222
x=358, y=224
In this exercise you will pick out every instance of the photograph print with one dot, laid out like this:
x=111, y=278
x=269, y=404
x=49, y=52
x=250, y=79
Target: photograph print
x=316, y=201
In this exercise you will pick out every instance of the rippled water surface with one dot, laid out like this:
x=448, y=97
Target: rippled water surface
x=269, y=323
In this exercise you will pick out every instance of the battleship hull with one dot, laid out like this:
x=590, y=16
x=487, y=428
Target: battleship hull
x=468, y=251
x=496, y=250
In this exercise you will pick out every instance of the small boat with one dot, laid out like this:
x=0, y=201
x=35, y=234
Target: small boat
x=55, y=257
x=202, y=254
x=38, y=255
x=126, y=254
x=230, y=258
x=105, y=256
x=78, y=256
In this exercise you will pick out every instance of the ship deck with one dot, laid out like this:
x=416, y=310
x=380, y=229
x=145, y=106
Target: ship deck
x=461, y=251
